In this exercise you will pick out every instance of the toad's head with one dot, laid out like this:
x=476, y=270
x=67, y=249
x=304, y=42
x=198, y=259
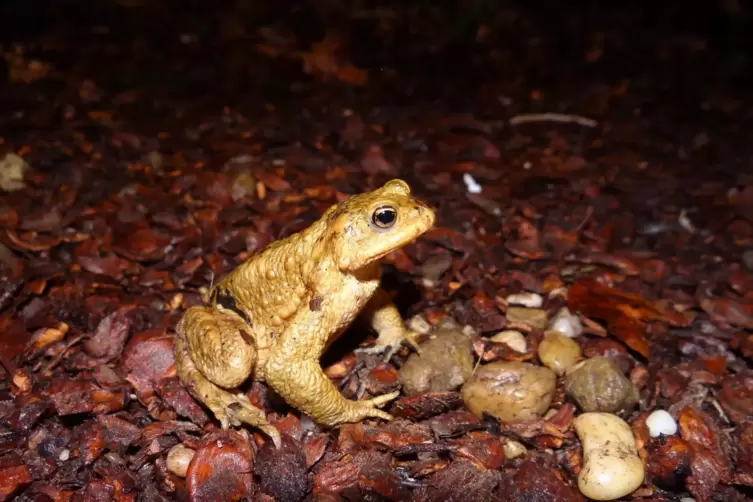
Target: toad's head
x=365, y=227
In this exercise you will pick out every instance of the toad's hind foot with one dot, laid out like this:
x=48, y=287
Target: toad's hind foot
x=368, y=408
x=232, y=410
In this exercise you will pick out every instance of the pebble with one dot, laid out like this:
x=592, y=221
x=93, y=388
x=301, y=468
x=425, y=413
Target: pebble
x=611, y=466
x=598, y=385
x=242, y=185
x=12, y=169
x=513, y=338
x=513, y=449
x=445, y=363
x=471, y=184
x=419, y=324
x=566, y=323
x=660, y=422
x=561, y=291
x=558, y=352
x=178, y=459
x=511, y=391
x=530, y=300
x=536, y=318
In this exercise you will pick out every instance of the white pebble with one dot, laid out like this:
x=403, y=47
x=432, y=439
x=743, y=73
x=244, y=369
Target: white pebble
x=469, y=331
x=566, y=323
x=530, y=300
x=513, y=449
x=64, y=455
x=418, y=324
x=179, y=458
x=687, y=499
x=661, y=422
x=561, y=291
x=471, y=184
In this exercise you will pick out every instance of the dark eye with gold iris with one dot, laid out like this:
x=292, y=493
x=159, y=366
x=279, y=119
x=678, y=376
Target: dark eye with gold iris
x=384, y=216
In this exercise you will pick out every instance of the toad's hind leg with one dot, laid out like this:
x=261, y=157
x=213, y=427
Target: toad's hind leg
x=212, y=355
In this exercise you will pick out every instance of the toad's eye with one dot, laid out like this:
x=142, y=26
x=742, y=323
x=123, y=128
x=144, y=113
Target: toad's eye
x=384, y=216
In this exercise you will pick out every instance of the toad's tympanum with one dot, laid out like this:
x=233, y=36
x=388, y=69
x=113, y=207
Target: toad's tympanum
x=274, y=315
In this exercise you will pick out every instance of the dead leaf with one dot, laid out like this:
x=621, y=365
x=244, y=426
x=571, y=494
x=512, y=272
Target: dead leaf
x=730, y=311
x=624, y=313
x=327, y=59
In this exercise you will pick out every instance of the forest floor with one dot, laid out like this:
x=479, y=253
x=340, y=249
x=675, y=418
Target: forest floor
x=593, y=160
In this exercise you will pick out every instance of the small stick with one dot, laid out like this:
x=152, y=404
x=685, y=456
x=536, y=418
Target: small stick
x=59, y=357
x=720, y=410
x=356, y=368
x=589, y=213
x=552, y=117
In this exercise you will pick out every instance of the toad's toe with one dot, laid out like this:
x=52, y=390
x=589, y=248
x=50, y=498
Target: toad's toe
x=380, y=400
x=235, y=410
x=368, y=408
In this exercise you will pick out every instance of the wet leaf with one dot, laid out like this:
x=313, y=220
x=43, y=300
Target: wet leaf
x=532, y=480
x=284, y=472
x=395, y=435
x=72, y=397
x=461, y=480
x=110, y=336
x=709, y=464
x=729, y=311
x=141, y=243
x=625, y=314
x=736, y=397
x=425, y=405
x=221, y=469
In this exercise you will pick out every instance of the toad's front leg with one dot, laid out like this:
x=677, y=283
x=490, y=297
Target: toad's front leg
x=384, y=317
x=214, y=351
x=294, y=372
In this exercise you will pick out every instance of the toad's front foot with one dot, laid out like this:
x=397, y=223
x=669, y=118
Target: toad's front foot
x=390, y=342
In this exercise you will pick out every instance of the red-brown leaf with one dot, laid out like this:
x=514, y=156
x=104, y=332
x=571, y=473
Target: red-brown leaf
x=221, y=469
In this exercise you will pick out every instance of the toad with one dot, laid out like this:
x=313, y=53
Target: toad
x=273, y=316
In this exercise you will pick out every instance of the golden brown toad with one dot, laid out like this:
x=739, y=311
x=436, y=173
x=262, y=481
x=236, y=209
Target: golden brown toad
x=276, y=313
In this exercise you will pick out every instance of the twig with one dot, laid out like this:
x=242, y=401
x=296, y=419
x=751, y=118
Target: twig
x=59, y=357
x=356, y=368
x=552, y=117
x=478, y=363
x=720, y=410
x=589, y=213
x=360, y=391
